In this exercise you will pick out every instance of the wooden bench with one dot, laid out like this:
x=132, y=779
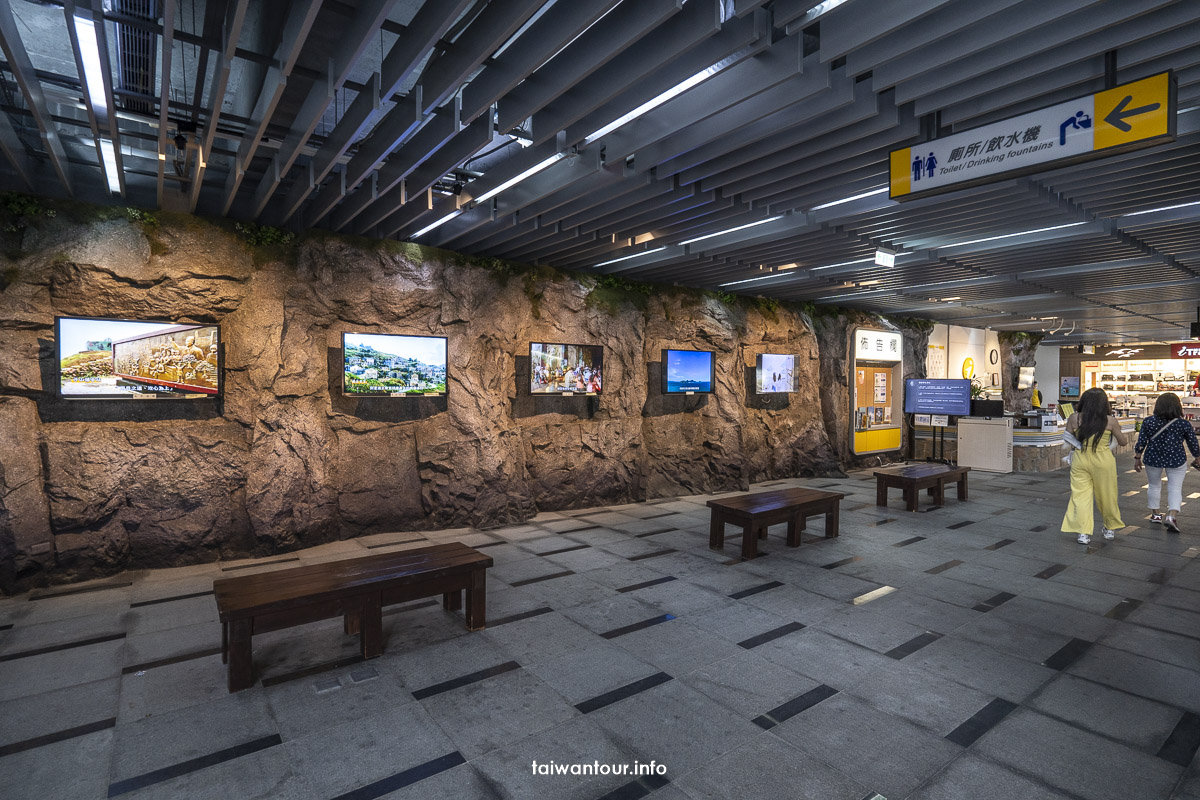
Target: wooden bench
x=355, y=589
x=754, y=513
x=911, y=479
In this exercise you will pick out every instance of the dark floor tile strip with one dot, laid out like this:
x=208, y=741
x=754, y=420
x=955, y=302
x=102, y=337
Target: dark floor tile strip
x=6, y=627
x=1160, y=577
x=656, y=516
x=879, y=522
x=993, y=602
x=913, y=645
x=907, y=542
x=56, y=647
x=549, y=577
x=59, y=736
x=316, y=669
x=191, y=765
x=651, y=533
x=170, y=599
x=943, y=567
x=655, y=554
x=784, y=712
x=84, y=590
x=771, y=635
x=962, y=524
x=410, y=607
x=646, y=584
x=841, y=563
x=408, y=777
x=166, y=662
x=1068, y=654
x=537, y=612
x=1181, y=745
x=565, y=550
x=637, y=788
x=753, y=590
x=981, y=722
x=466, y=680
x=260, y=564
x=393, y=544
x=489, y=544
x=927, y=509
x=622, y=692
x=1051, y=571
x=999, y=544
x=637, y=626
x=1123, y=609
x=1038, y=528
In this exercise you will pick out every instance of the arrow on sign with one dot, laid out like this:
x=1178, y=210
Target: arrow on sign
x=1118, y=115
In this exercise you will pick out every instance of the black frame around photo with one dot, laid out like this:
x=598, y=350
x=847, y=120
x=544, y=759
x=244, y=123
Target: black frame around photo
x=394, y=395
x=712, y=371
x=184, y=396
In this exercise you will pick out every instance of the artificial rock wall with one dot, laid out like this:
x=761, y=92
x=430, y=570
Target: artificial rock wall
x=285, y=461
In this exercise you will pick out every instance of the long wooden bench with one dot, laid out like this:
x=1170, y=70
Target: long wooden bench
x=754, y=513
x=911, y=479
x=355, y=589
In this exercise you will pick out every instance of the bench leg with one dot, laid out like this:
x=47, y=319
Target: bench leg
x=881, y=490
x=716, y=531
x=932, y=491
x=939, y=493
x=452, y=601
x=477, y=601
x=750, y=534
x=795, y=525
x=351, y=624
x=241, y=665
x=224, y=642
x=762, y=531
x=832, y=518
x=910, y=497
x=371, y=626
x=962, y=487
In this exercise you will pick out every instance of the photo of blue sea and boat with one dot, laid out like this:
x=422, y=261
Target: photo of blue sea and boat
x=689, y=371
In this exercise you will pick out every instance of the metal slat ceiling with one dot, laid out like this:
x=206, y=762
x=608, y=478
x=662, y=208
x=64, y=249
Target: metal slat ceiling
x=698, y=142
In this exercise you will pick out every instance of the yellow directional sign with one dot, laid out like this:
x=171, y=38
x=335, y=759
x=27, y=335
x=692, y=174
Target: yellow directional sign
x=1135, y=111
x=1127, y=117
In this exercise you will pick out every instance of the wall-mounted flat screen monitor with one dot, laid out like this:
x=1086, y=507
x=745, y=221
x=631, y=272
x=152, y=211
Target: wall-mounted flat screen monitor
x=565, y=368
x=391, y=365
x=128, y=359
x=687, y=371
x=1069, y=387
x=774, y=373
x=937, y=396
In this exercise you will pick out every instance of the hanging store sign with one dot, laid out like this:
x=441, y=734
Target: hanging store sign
x=1126, y=117
x=1185, y=350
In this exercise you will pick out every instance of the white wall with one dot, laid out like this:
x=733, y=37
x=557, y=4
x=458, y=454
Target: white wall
x=935, y=361
x=1046, y=373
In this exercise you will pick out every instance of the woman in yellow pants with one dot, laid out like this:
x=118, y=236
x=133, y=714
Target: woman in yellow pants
x=1093, y=468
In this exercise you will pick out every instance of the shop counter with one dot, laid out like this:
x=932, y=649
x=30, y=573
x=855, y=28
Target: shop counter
x=1034, y=450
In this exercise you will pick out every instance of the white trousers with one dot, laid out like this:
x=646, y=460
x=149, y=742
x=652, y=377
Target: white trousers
x=1174, y=485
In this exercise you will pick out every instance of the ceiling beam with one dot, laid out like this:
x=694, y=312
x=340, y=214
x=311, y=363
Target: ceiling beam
x=362, y=31
x=300, y=18
x=235, y=18
x=22, y=69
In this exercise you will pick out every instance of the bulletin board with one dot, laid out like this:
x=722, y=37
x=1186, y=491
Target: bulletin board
x=876, y=413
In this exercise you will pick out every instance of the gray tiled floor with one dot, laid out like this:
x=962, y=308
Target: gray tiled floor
x=975, y=679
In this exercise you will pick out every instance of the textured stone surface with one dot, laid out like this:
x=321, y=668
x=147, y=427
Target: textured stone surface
x=1016, y=352
x=284, y=460
x=25, y=538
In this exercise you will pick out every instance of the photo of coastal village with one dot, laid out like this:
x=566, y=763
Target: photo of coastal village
x=388, y=364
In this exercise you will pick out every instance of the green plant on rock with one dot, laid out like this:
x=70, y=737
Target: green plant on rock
x=727, y=298
x=263, y=235
x=611, y=292
x=20, y=209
